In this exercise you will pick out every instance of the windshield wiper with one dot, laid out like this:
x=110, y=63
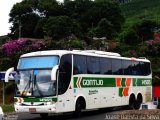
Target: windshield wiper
x=35, y=84
x=28, y=85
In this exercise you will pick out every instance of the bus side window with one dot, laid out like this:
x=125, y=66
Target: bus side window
x=93, y=66
x=105, y=66
x=134, y=71
x=138, y=68
x=117, y=67
x=80, y=66
x=127, y=67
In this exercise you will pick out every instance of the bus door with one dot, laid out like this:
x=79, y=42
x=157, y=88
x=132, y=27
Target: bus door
x=65, y=92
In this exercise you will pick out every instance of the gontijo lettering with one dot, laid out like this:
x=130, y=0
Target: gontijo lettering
x=92, y=82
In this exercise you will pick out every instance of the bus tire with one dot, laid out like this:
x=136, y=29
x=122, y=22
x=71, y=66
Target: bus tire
x=44, y=115
x=78, y=108
x=138, y=101
x=80, y=104
x=132, y=102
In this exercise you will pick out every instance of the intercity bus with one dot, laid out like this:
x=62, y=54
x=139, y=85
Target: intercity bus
x=60, y=81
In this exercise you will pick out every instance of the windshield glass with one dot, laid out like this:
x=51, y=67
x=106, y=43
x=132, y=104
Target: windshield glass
x=33, y=77
x=29, y=84
x=23, y=81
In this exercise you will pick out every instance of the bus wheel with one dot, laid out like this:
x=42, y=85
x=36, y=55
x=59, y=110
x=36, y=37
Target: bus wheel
x=138, y=102
x=44, y=115
x=132, y=102
x=78, y=108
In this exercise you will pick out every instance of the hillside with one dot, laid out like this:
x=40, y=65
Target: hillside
x=137, y=10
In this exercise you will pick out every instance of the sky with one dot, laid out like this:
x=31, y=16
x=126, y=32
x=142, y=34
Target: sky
x=5, y=7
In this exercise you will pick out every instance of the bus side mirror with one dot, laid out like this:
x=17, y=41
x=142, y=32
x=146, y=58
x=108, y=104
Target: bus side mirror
x=54, y=73
x=10, y=70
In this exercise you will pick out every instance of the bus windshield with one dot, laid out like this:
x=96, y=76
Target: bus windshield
x=33, y=77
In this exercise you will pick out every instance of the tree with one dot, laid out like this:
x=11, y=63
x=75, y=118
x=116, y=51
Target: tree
x=84, y=15
x=105, y=9
x=130, y=37
x=49, y=8
x=105, y=29
x=39, y=28
x=77, y=9
x=61, y=27
x=139, y=32
x=144, y=29
x=24, y=17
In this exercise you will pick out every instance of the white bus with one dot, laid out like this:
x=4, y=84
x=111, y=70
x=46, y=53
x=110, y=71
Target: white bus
x=61, y=81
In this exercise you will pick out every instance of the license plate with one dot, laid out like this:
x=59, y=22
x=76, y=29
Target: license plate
x=32, y=109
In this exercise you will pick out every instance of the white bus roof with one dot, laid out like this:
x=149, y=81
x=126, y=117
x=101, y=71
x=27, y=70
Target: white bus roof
x=82, y=52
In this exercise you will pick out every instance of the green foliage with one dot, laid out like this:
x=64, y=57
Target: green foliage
x=8, y=108
x=51, y=44
x=5, y=63
x=142, y=51
x=39, y=28
x=9, y=88
x=61, y=27
x=138, y=10
x=36, y=18
x=50, y=8
x=28, y=24
x=75, y=44
x=3, y=39
x=104, y=29
x=70, y=44
x=102, y=19
x=24, y=16
x=58, y=27
x=144, y=29
x=129, y=37
x=92, y=32
x=138, y=32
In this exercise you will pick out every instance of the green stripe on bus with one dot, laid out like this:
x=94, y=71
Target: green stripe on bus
x=87, y=82
x=121, y=92
x=54, y=99
x=134, y=82
x=123, y=83
x=142, y=82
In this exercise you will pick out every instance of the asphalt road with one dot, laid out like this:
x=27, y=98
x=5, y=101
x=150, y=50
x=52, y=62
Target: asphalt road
x=87, y=115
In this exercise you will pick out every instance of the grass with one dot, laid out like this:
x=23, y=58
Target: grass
x=8, y=108
x=138, y=10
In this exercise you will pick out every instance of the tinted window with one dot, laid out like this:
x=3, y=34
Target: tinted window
x=65, y=71
x=105, y=66
x=109, y=66
x=117, y=67
x=80, y=65
x=145, y=68
x=127, y=67
x=93, y=65
x=141, y=68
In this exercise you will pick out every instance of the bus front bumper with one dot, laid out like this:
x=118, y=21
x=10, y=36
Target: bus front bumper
x=36, y=109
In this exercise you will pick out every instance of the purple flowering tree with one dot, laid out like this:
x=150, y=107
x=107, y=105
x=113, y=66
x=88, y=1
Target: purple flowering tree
x=23, y=45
